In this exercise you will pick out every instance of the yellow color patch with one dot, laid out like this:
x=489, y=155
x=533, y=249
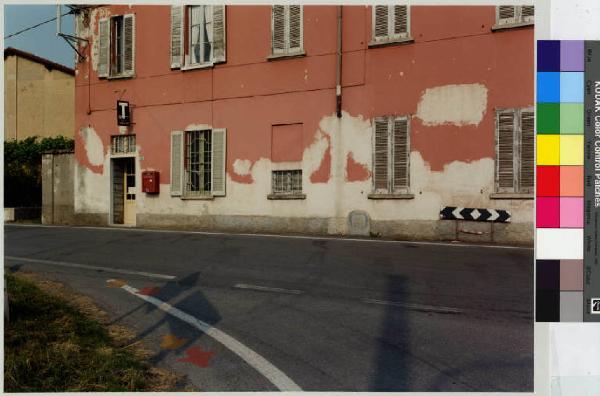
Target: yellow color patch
x=548, y=150
x=571, y=149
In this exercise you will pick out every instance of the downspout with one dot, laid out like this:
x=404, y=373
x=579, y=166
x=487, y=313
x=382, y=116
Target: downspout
x=338, y=71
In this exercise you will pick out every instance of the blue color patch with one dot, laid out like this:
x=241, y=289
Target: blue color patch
x=548, y=87
x=571, y=87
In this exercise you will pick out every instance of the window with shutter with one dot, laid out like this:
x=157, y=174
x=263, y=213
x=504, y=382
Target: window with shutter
x=219, y=152
x=287, y=30
x=176, y=163
x=390, y=23
x=198, y=36
x=511, y=16
x=391, y=153
x=116, y=46
x=515, y=151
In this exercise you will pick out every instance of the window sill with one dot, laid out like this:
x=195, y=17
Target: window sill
x=120, y=76
x=274, y=57
x=286, y=196
x=510, y=196
x=511, y=26
x=194, y=67
x=197, y=197
x=387, y=43
x=391, y=196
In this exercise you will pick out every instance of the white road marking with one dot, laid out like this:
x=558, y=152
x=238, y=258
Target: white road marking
x=317, y=238
x=256, y=361
x=90, y=267
x=267, y=289
x=419, y=307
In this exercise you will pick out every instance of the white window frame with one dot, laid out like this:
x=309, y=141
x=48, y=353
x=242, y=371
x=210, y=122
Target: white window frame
x=391, y=190
x=186, y=166
x=517, y=147
x=111, y=64
x=519, y=19
x=206, y=9
x=391, y=36
x=287, y=51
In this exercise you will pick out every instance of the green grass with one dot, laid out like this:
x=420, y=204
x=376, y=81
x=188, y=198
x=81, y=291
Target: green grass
x=50, y=346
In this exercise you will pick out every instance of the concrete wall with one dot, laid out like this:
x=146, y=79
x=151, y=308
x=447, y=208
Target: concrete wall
x=57, y=188
x=449, y=81
x=37, y=101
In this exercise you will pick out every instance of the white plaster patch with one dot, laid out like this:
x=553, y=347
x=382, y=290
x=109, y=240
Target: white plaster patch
x=242, y=167
x=457, y=104
x=93, y=146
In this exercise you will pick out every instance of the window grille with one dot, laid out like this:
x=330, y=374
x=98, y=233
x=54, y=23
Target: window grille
x=287, y=181
x=123, y=144
x=198, y=162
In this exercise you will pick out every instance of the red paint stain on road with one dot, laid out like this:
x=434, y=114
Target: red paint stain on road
x=148, y=291
x=197, y=356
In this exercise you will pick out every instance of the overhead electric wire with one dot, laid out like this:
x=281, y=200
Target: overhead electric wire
x=34, y=26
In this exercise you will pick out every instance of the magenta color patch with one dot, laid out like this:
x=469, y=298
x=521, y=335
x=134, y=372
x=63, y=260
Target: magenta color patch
x=571, y=212
x=547, y=210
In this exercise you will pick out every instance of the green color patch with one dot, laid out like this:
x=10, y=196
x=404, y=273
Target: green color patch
x=49, y=346
x=571, y=118
x=548, y=118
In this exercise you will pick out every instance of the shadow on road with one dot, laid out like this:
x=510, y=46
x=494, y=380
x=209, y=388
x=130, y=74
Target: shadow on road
x=391, y=361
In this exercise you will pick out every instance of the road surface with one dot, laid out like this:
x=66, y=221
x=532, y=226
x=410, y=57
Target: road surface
x=255, y=313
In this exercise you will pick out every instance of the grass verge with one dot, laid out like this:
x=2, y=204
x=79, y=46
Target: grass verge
x=51, y=345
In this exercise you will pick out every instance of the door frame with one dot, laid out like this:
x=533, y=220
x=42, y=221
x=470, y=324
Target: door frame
x=114, y=157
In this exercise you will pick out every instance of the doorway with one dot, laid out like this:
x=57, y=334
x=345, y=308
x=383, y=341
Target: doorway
x=123, y=191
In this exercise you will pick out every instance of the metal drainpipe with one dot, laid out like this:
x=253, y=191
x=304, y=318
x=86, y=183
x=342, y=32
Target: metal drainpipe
x=338, y=72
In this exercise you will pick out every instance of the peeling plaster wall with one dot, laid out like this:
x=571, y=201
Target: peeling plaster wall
x=449, y=93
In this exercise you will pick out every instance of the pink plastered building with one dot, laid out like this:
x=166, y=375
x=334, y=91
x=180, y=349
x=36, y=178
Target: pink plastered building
x=342, y=120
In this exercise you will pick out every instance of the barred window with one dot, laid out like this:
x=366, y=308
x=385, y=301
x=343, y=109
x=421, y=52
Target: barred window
x=287, y=181
x=198, y=161
x=122, y=144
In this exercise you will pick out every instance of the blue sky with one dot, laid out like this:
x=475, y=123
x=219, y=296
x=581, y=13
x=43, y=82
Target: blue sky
x=41, y=41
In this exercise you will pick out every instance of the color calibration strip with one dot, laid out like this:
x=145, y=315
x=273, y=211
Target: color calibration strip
x=562, y=75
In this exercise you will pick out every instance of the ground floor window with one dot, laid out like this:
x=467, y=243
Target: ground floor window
x=287, y=182
x=391, y=153
x=198, y=162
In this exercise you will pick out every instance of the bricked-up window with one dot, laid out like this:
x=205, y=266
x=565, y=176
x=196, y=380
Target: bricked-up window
x=198, y=163
x=116, y=42
x=391, y=151
x=197, y=35
x=287, y=30
x=514, y=151
x=507, y=16
x=122, y=144
x=287, y=182
x=390, y=23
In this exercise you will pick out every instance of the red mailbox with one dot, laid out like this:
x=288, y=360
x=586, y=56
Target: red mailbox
x=150, y=182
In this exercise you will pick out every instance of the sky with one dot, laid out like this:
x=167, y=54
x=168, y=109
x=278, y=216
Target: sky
x=41, y=41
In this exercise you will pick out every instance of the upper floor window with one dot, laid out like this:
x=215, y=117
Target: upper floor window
x=511, y=16
x=116, y=41
x=197, y=35
x=391, y=153
x=514, y=151
x=390, y=23
x=287, y=30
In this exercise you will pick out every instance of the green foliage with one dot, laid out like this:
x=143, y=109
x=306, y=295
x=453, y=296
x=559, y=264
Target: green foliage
x=22, y=168
x=49, y=346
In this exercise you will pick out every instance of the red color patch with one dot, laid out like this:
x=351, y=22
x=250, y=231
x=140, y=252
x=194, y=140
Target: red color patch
x=548, y=181
x=322, y=174
x=355, y=171
x=197, y=356
x=148, y=291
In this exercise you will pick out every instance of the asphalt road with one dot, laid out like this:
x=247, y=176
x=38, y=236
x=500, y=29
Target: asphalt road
x=316, y=314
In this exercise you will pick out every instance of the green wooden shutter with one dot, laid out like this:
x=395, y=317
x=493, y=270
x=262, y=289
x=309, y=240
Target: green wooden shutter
x=278, y=29
x=527, y=152
x=506, y=15
x=295, y=28
x=219, y=33
x=380, y=23
x=380, y=155
x=219, y=154
x=401, y=21
x=401, y=152
x=177, y=35
x=128, y=44
x=505, y=151
x=176, y=163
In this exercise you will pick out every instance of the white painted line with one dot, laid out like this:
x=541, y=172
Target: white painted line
x=89, y=267
x=267, y=289
x=419, y=307
x=316, y=238
x=256, y=361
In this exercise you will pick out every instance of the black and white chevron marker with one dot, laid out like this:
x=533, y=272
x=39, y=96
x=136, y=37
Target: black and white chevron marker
x=458, y=213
